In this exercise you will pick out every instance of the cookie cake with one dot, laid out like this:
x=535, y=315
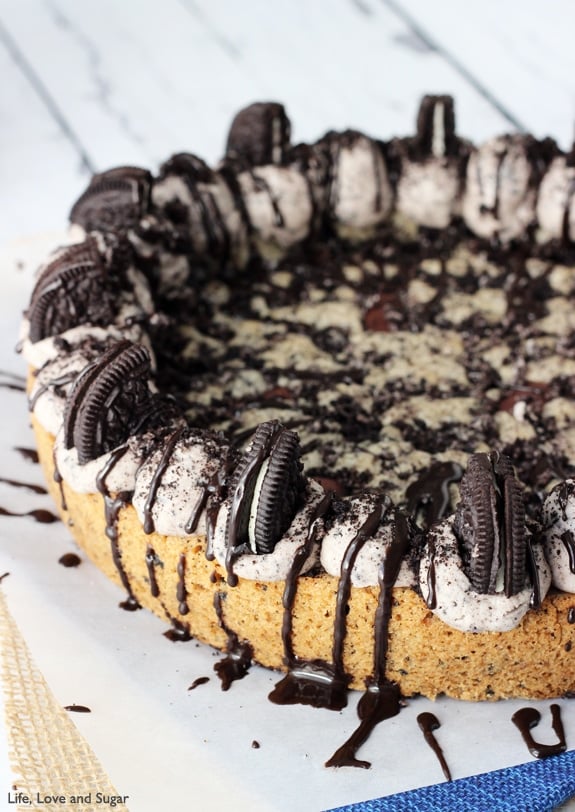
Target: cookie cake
x=314, y=406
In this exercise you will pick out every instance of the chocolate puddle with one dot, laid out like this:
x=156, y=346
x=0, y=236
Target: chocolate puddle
x=179, y=633
x=70, y=560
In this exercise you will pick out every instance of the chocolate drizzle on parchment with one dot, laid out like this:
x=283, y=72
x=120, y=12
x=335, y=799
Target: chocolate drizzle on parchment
x=428, y=724
x=382, y=698
x=526, y=719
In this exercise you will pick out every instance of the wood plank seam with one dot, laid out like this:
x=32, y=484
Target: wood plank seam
x=455, y=63
x=42, y=92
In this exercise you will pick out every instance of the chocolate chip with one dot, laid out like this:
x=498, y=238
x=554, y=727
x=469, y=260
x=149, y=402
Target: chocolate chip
x=259, y=135
x=268, y=482
x=110, y=400
x=74, y=289
x=115, y=200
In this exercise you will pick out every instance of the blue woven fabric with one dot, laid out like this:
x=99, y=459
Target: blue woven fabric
x=538, y=786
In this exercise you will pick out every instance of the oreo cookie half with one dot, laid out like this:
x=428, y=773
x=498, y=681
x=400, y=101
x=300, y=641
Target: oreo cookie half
x=259, y=135
x=115, y=200
x=72, y=290
x=110, y=400
x=490, y=523
x=436, y=127
x=514, y=527
x=266, y=489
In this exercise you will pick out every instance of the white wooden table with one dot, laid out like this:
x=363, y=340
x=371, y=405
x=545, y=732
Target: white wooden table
x=90, y=84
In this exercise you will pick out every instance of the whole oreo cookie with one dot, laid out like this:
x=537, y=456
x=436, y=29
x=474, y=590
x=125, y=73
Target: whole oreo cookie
x=259, y=135
x=110, y=400
x=74, y=289
x=115, y=200
x=266, y=489
x=490, y=523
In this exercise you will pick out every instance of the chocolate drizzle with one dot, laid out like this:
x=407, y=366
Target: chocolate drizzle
x=317, y=682
x=566, y=224
x=169, y=448
x=382, y=698
x=181, y=591
x=536, y=594
x=527, y=718
x=55, y=384
x=29, y=454
x=39, y=515
x=568, y=540
x=112, y=506
x=309, y=682
x=431, y=599
x=429, y=723
x=152, y=561
x=197, y=682
x=13, y=382
x=197, y=510
x=429, y=495
x=238, y=659
x=29, y=486
x=58, y=479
